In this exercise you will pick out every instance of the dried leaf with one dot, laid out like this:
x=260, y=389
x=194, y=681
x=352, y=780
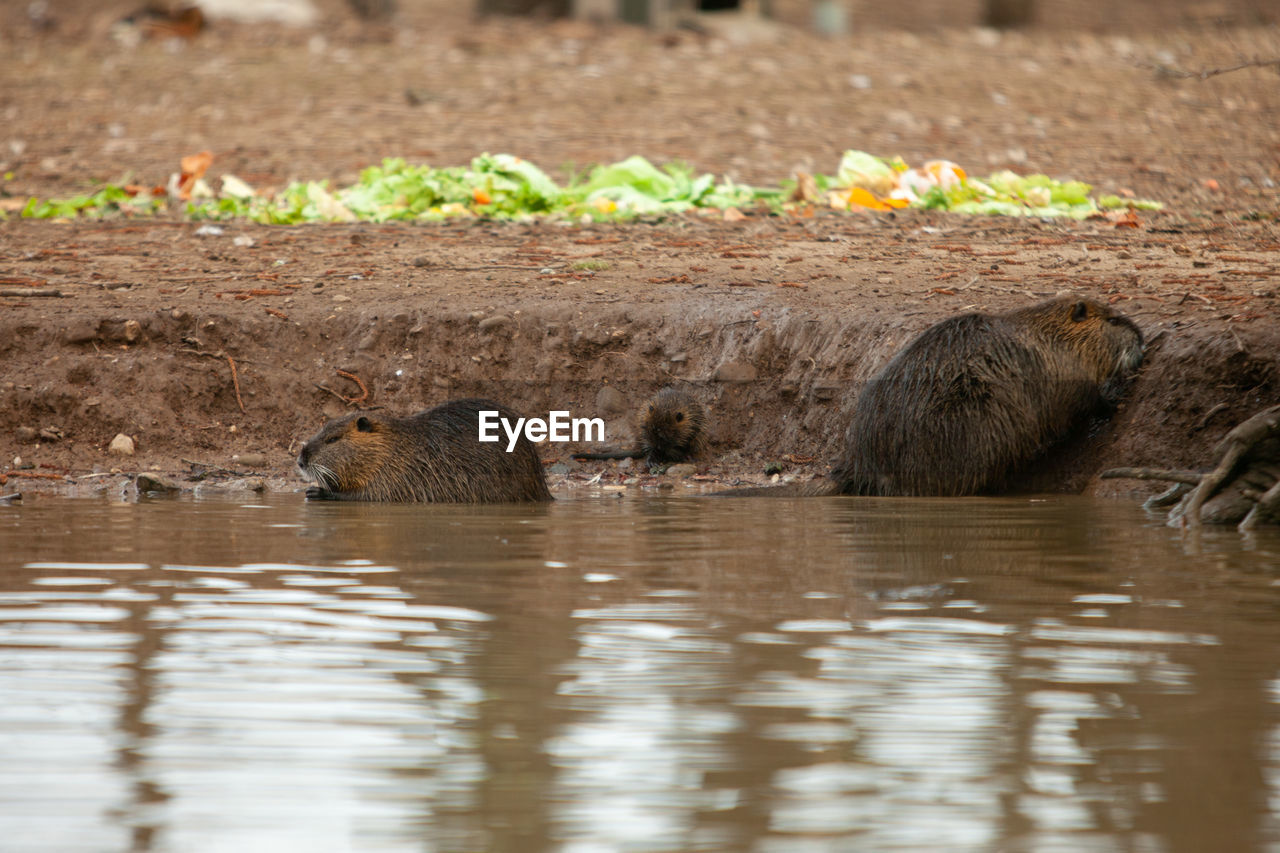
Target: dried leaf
x=193, y=168
x=1129, y=220
x=196, y=165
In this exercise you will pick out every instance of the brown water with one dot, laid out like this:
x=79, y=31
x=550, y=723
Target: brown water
x=635, y=673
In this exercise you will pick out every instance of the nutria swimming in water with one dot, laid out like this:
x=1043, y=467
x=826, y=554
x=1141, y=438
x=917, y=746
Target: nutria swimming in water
x=976, y=397
x=673, y=428
x=433, y=456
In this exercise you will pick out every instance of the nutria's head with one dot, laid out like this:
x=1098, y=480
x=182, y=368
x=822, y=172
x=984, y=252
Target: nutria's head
x=346, y=453
x=673, y=426
x=1106, y=342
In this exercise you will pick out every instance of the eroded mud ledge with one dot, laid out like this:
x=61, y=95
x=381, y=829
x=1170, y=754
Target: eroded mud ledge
x=775, y=323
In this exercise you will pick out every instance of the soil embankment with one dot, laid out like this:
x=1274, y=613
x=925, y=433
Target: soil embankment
x=774, y=321
x=775, y=326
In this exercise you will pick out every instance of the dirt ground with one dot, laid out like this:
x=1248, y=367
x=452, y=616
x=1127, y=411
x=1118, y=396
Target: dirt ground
x=227, y=349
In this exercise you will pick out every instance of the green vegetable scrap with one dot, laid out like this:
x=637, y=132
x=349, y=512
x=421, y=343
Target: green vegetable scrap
x=502, y=186
x=110, y=199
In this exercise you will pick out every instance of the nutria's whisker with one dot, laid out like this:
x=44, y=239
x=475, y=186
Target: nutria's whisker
x=322, y=475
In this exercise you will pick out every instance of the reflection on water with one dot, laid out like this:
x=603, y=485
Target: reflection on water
x=640, y=674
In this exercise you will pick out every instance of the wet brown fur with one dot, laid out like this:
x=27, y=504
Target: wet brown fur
x=433, y=456
x=976, y=397
x=673, y=428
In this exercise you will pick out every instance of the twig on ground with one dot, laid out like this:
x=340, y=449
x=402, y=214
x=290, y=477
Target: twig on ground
x=235, y=376
x=1208, y=416
x=1206, y=73
x=364, y=391
x=331, y=391
x=235, y=380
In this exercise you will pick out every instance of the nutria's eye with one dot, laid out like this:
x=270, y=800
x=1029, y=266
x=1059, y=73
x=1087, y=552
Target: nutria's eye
x=1079, y=311
x=679, y=417
x=330, y=439
x=1115, y=321
x=364, y=425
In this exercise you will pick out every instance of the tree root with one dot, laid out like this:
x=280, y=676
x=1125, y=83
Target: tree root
x=1243, y=488
x=1189, y=478
x=1167, y=498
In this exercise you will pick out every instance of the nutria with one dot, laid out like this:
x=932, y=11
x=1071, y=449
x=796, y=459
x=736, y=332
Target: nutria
x=673, y=428
x=976, y=397
x=433, y=456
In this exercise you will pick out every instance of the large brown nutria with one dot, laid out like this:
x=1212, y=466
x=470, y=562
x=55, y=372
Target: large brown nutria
x=976, y=397
x=673, y=428
x=433, y=456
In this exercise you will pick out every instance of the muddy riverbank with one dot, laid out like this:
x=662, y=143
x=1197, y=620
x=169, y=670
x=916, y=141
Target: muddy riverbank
x=774, y=324
x=773, y=321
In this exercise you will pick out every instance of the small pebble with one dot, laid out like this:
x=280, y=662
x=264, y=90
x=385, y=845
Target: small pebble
x=252, y=460
x=156, y=483
x=684, y=469
x=611, y=401
x=121, y=445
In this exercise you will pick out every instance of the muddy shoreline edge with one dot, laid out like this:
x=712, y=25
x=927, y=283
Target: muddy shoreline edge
x=773, y=324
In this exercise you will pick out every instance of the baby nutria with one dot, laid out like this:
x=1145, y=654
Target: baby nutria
x=433, y=456
x=673, y=428
x=976, y=397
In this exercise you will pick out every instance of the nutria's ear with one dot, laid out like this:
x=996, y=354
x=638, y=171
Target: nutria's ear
x=1079, y=311
x=363, y=424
